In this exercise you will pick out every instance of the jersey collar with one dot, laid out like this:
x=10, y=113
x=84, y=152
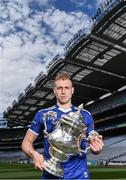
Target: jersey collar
x=72, y=108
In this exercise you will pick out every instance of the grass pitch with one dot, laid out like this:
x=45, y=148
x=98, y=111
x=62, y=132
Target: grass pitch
x=108, y=173
x=18, y=171
x=27, y=171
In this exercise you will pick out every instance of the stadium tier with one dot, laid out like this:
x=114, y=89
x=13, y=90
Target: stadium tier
x=11, y=138
x=115, y=150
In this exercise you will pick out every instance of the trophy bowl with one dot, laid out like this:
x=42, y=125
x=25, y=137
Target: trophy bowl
x=65, y=140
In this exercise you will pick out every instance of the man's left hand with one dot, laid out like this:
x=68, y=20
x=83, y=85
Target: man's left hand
x=96, y=143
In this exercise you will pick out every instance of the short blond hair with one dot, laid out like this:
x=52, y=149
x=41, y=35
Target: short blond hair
x=63, y=76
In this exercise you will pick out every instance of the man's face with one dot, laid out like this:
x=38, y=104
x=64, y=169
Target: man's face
x=63, y=91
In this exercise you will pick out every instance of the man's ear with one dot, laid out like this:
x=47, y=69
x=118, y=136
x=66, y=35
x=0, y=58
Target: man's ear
x=72, y=90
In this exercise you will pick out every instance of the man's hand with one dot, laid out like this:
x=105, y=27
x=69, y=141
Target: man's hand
x=96, y=143
x=38, y=160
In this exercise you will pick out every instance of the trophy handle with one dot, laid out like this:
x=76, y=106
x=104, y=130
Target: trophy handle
x=80, y=138
x=93, y=133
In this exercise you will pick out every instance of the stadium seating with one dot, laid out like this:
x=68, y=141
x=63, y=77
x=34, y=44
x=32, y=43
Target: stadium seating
x=114, y=149
x=11, y=138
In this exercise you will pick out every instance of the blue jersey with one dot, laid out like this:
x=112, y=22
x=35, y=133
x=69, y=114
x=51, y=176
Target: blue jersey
x=76, y=166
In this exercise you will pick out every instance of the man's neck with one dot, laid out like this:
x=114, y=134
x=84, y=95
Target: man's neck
x=64, y=106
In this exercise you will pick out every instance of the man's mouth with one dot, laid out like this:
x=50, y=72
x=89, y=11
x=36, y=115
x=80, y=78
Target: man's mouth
x=63, y=96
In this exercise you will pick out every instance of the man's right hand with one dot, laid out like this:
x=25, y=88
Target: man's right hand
x=38, y=160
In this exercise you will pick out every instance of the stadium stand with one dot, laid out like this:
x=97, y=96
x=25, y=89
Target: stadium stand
x=14, y=155
x=11, y=138
x=115, y=149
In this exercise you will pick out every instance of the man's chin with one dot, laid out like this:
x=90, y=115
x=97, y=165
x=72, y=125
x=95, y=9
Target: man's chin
x=63, y=102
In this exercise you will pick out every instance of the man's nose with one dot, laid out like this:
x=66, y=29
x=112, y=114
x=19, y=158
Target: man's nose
x=63, y=90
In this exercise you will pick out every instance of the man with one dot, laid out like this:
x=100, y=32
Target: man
x=76, y=166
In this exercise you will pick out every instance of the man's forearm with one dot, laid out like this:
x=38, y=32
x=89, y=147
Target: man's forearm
x=28, y=149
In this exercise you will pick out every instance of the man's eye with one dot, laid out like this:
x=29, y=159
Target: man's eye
x=59, y=88
x=67, y=88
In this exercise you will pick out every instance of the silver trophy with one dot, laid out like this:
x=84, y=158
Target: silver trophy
x=65, y=140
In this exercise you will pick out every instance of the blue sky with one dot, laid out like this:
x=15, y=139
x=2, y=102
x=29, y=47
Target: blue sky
x=32, y=32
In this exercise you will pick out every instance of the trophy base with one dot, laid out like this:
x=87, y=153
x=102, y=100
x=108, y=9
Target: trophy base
x=53, y=168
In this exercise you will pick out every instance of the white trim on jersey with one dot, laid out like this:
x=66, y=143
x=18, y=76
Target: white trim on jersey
x=50, y=108
x=64, y=110
x=86, y=111
x=33, y=131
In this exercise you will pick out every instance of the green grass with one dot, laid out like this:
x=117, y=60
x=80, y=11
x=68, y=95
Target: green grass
x=108, y=173
x=19, y=171
x=27, y=171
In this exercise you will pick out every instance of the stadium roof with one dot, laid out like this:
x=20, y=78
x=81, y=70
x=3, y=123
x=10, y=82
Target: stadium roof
x=95, y=61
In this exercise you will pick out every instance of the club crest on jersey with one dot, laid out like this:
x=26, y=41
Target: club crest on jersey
x=51, y=115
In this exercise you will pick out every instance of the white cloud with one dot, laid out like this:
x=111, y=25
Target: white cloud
x=28, y=41
x=64, y=25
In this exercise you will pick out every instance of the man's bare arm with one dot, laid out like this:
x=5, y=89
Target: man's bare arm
x=27, y=147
